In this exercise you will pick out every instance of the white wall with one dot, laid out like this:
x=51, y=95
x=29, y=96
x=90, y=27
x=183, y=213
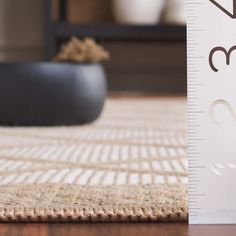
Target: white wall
x=21, y=30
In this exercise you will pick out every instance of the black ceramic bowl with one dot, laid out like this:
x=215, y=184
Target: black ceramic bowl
x=43, y=94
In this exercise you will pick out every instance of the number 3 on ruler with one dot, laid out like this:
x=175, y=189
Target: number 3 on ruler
x=227, y=55
x=227, y=12
x=220, y=49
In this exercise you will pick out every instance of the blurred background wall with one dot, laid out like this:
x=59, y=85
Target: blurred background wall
x=21, y=30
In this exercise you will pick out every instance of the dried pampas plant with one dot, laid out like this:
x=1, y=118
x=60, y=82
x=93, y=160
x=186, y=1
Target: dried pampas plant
x=79, y=51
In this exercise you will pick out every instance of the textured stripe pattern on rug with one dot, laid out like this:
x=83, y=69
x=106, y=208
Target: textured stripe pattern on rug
x=130, y=165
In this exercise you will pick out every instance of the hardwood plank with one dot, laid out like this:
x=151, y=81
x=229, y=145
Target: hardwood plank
x=119, y=229
x=24, y=229
x=139, y=229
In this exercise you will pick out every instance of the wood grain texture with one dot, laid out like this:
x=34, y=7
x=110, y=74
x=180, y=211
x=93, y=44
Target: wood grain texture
x=115, y=230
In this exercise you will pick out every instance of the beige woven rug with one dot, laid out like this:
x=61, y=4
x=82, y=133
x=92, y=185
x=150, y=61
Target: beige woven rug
x=128, y=166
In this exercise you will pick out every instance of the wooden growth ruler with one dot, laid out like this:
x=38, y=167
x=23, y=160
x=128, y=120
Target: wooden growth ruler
x=212, y=111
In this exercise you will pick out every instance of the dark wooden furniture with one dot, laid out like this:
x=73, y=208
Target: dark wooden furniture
x=144, y=58
x=61, y=29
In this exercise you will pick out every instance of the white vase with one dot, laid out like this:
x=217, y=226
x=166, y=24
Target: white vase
x=137, y=11
x=174, y=12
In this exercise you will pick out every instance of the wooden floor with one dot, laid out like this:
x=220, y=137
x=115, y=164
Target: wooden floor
x=115, y=230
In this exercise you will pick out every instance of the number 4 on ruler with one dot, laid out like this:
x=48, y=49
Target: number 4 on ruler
x=227, y=6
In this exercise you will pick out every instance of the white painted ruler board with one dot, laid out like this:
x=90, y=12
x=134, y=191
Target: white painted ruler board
x=211, y=36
